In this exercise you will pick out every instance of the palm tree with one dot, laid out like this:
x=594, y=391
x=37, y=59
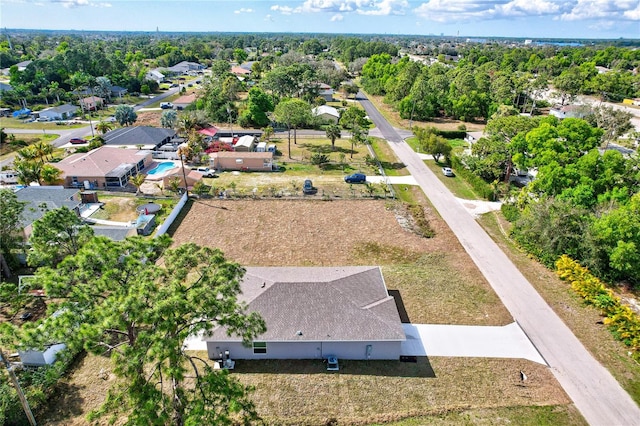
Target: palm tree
x=42, y=150
x=333, y=132
x=174, y=184
x=27, y=171
x=267, y=132
x=137, y=181
x=50, y=174
x=103, y=127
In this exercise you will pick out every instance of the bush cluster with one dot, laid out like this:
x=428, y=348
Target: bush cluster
x=484, y=189
x=622, y=321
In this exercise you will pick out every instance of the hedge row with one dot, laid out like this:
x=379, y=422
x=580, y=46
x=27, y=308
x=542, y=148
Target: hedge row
x=485, y=190
x=452, y=134
x=622, y=321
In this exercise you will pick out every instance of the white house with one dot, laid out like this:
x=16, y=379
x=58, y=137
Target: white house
x=154, y=75
x=312, y=313
x=61, y=112
x=570, y=111
x=327, y=113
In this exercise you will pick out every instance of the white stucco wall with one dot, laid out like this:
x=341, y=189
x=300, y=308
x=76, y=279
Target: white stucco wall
x=308, y=350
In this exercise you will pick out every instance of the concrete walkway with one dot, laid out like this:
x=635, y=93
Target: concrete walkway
x=508, y=341
x=394, y=180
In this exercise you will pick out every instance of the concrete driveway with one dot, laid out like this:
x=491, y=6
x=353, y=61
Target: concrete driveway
x=595, y=392
x=508, y=341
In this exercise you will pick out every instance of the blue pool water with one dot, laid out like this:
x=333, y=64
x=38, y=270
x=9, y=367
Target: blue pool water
x=162, y=167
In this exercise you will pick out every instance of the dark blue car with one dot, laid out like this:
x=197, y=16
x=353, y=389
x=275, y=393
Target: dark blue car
x=356, y=178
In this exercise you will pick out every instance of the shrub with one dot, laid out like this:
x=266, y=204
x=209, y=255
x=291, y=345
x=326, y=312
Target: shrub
x=510, y=212
x=484, y=189
x=622, y=321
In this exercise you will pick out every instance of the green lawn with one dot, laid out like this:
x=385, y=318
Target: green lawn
x=456, y=184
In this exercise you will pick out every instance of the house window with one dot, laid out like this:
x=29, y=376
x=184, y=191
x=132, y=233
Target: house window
x=259, y=347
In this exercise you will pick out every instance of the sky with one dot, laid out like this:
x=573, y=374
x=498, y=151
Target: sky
x=466, y=18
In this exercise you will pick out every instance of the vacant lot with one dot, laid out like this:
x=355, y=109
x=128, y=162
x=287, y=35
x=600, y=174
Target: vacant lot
x=437, y=281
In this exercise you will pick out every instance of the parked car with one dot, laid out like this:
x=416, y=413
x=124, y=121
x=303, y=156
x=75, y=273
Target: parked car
x=166, y=105
x=173, y=85
x=77, y=141
x=25, y=316
x=332, y=363
x=447, y=171
x=206, y=172
x=307, y=187
x=42, y=119
x=356, y=178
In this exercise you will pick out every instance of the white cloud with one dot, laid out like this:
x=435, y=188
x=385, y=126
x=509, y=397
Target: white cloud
x=243, y=10
x=337, y=17
x=599, y=9
x=69, y=4
x=385, y=7
x=363, y=7
x=285, y=10
x=268, y=18
x=570, y=10
x=633, y=14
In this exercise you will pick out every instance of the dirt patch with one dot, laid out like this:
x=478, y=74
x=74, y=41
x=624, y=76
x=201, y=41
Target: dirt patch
x=149, y=118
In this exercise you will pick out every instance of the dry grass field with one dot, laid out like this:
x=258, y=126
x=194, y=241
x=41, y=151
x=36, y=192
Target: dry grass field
x=437, y=281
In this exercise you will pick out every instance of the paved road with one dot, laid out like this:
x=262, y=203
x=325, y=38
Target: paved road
x=595, y=392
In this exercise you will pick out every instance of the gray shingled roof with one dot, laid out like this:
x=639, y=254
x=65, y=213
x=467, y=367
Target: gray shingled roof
x=325, y=304
x=41, y=199
x=138, y=135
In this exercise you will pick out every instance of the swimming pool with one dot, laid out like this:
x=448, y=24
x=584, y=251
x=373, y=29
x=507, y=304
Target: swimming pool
x=162, y=167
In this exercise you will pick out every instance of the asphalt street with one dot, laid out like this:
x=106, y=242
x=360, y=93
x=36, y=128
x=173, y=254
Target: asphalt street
x=594, y=391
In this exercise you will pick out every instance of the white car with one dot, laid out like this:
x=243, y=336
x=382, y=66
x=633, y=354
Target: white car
x=206, y=172
x=447, y=172
x=166, y=105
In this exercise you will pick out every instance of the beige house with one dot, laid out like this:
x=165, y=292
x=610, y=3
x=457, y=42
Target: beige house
x=104, y=167
x=91, y=103
x=243, y=161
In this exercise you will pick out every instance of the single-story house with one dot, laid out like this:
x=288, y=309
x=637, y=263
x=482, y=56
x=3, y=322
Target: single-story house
x=314, y=312
x=570, y=111
x=91, y=103
x=104, y=167
x=245, y=143
x=240, y=72
x=185, y=66
x=324, y=91
x=61, y=112
x=41, y=199
x=243, y=161
x=154, y=75
x=184, y=101
x=118, y=92
x=134, y=136
x=326, y=113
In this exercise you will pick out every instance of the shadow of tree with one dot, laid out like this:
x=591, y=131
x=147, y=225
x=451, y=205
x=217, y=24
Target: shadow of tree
x=392, y=166
x=416, y=367
x=324, y=149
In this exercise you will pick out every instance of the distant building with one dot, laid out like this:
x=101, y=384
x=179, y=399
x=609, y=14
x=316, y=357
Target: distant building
x=62, y=112
x=185, y=66
x=326, y=113
x=569, y=111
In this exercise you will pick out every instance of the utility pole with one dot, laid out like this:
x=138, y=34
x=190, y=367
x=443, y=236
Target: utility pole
x=16, y=384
